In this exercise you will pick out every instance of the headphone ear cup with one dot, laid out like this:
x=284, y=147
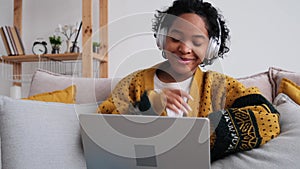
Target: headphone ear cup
x=161, y=38
x=212, y=51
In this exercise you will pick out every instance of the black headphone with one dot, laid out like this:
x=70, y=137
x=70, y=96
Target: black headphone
x=212, y=49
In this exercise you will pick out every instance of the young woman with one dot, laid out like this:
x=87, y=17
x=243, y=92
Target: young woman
x=192, y=33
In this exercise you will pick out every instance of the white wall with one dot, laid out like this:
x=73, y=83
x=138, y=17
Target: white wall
x=264, y=33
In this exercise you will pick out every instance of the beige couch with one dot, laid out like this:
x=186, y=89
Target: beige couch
x=45, y=135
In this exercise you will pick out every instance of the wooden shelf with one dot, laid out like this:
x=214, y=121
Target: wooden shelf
x=87, y=56
x=36, y=58
x=56, y=57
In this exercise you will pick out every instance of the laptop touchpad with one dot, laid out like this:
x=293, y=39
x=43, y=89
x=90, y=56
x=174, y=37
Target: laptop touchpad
x=145, y=155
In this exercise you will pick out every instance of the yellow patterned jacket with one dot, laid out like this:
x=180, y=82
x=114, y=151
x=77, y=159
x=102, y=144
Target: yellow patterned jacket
x=241, y=118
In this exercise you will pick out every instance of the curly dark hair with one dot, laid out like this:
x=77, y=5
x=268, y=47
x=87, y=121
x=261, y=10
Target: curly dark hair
x=205, y=10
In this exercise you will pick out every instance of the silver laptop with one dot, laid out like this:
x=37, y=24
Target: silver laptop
x=145, y=142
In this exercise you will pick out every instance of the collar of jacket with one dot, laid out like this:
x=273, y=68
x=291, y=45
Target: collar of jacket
x=195, y=91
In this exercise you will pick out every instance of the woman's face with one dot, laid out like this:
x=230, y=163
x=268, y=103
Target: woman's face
x=186, y=43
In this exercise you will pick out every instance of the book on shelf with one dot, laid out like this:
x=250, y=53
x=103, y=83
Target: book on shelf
x=7, y=39
x=5, y=42
x=20, y=40
x=14, y=49
x=12, y=40
x=17, y=41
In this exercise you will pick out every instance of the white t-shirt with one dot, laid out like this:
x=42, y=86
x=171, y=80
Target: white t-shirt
x=184, y=85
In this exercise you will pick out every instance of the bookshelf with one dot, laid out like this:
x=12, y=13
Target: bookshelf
x=87, y=56
x=54, y=57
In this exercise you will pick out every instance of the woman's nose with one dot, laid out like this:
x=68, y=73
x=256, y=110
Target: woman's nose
x=184, y=48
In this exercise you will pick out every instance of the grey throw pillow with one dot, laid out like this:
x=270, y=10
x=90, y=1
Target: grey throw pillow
x=39, y=135
x=260, y=80
x=277, y=74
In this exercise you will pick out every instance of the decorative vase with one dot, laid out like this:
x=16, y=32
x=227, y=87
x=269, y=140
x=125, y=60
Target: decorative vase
x=69, y=45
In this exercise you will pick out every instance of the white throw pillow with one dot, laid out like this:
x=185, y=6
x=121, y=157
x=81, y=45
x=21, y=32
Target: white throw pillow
x=39, y=135
x=280, y=152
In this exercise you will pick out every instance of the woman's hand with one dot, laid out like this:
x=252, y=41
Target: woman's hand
x=174, y=100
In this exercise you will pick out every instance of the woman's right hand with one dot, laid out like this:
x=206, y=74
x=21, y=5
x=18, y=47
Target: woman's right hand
x=174, y=100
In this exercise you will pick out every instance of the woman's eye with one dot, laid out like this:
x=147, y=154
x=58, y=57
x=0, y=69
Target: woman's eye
x=197, y=44
x=175, y=39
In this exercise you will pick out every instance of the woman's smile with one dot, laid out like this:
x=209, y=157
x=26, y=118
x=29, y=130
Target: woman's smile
x=185, y=60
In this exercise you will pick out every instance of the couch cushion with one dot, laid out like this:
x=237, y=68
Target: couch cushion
x=66, y=95
x=280, y=152
x=89, y=90
x=260, y=80
x=38, y=134
x=291, y=89
x=276, y=75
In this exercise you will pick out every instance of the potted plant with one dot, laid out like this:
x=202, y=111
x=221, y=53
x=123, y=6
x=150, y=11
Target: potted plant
x=55, y=42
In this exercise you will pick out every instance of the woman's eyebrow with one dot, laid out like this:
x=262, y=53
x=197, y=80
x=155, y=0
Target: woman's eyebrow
x=199, y=36
x=176, y=31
